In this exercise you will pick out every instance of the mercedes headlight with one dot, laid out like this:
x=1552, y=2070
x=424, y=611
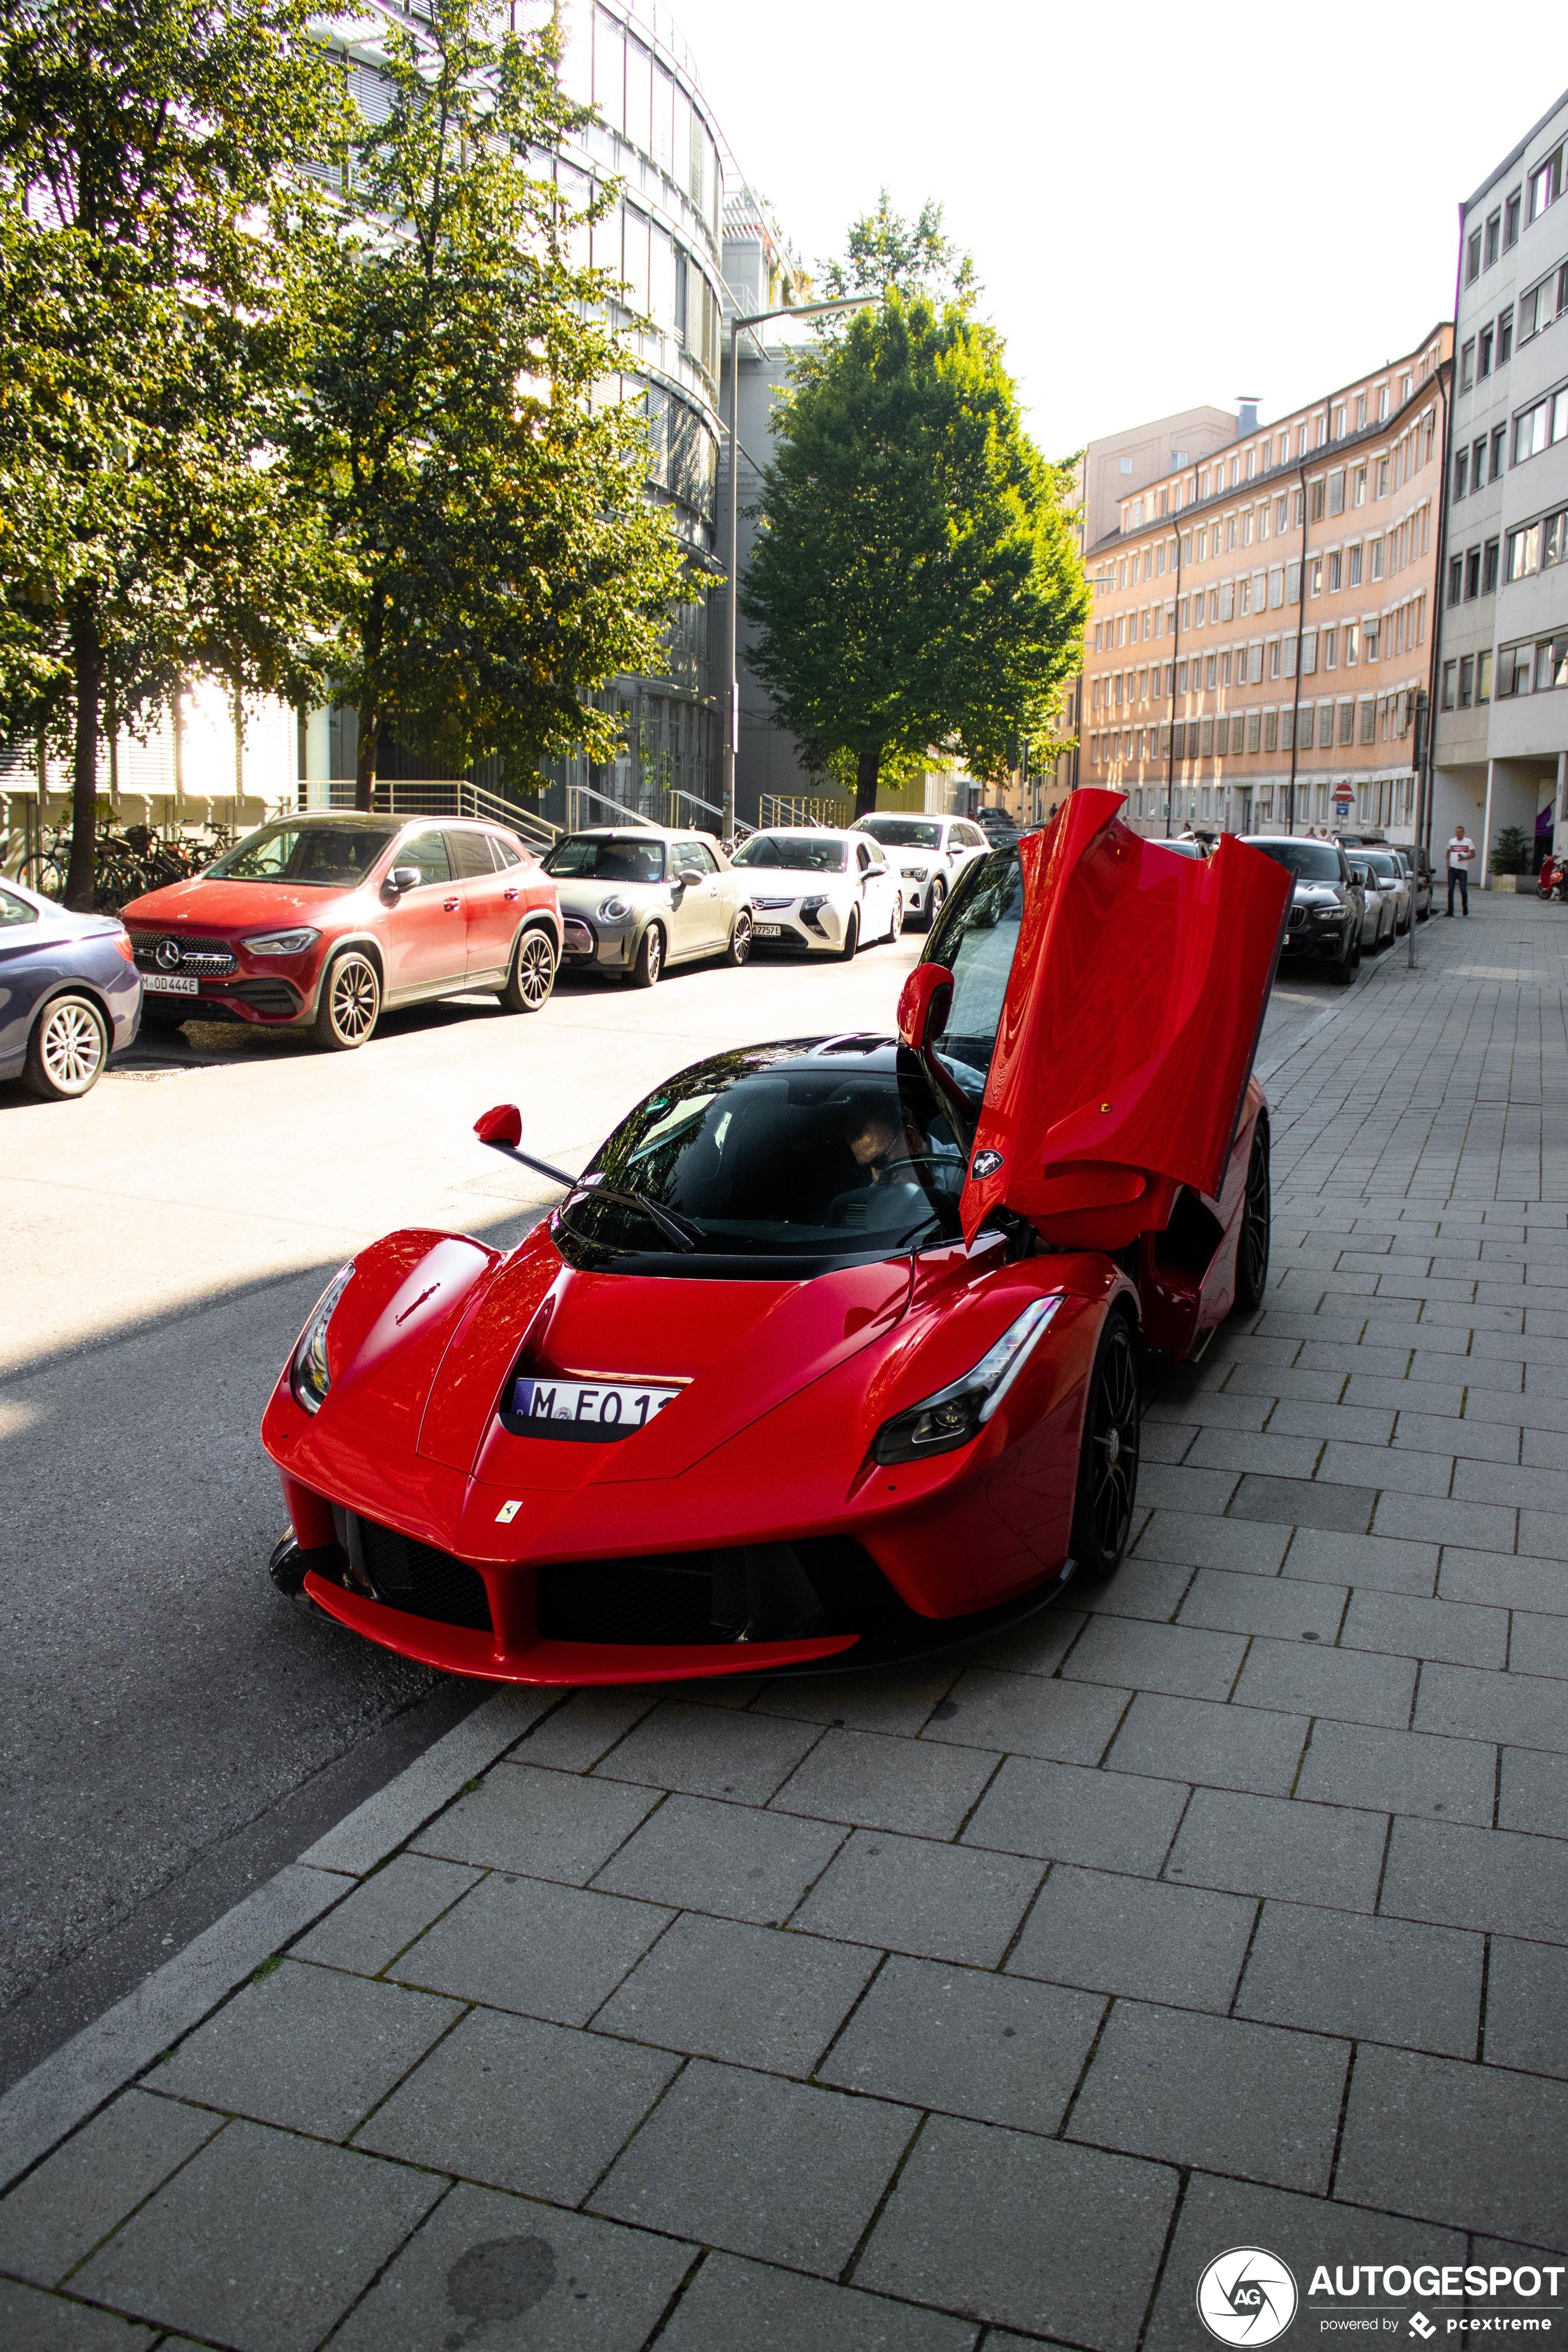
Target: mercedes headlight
x=959, y=1413
x=310, y=1373
x=266, y=943
x=614, y=910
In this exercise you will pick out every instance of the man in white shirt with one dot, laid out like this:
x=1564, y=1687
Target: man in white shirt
x=1461, y=849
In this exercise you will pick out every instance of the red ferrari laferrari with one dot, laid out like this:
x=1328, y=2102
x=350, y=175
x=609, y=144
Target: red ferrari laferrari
x=834, y=1352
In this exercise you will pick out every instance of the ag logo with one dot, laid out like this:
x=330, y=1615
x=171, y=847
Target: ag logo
x=1247, y=2296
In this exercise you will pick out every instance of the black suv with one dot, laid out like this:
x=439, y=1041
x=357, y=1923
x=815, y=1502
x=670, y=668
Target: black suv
x=1323, y=925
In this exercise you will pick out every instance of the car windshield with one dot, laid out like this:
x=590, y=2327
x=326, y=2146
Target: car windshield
x=976, y=938
x=801, y=853
x=328, y=856
x=903, y=832
x=786, y=1159
x=1381, y=863
x=1309, y=861
x=596, y=858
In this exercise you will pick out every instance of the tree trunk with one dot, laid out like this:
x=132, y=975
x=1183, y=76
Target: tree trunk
x=867, y=767
x=87, y=664
x=365, y=765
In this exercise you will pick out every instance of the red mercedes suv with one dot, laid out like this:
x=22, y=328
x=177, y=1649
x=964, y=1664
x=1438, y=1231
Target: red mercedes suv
x=323, y=921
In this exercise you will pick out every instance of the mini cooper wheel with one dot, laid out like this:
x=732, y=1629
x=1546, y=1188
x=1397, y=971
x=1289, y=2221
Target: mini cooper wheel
x=1107, y=1462
x=1257, y=1219
x=739, y=950
x=68, y=1049
x=350, y=1004
x=649, y=968
x=532, y=973
x=851, y=937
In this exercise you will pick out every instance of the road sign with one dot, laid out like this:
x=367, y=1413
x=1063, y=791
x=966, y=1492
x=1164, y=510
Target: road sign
x=1342, y=797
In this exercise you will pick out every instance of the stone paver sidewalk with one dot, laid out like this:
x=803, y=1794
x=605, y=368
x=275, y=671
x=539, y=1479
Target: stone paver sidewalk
x=986, y=2001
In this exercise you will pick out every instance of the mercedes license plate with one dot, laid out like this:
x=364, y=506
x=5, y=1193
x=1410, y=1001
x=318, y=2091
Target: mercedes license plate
x=768, y=930
x=169, y=984
x=593, y=1409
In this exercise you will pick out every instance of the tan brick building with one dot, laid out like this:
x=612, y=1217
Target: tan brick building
x=1265, y=615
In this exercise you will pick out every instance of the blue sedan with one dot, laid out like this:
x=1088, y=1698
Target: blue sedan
x=69, y=993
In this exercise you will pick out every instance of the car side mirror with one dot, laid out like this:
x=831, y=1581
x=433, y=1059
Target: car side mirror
x=691, y=878
x=924, y=1002
x=502, y=1125
x=402, y=878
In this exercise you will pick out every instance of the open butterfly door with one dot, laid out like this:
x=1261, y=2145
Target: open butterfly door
x=1127, y=1028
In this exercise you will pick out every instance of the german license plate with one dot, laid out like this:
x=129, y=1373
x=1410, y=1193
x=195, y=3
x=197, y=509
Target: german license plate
x=169, y=984
x=768, y=930
x=594, y=1411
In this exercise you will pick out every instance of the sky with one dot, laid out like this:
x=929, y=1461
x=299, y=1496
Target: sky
x=1168, y=206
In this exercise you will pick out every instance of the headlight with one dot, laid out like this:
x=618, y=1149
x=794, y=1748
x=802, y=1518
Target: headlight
x=614, y=910
x=1329, y=914
x=310, y=1373
x=958, y=1413
x=915, y=873
x=282, y=942
x=810, y=908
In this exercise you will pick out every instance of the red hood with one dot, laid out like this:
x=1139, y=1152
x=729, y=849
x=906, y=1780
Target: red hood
x=200, y=905
x=741, y=1348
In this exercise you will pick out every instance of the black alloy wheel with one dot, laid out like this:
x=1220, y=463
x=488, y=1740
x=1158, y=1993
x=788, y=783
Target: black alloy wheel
x=739, y=950
x=350, y=1004
x=937, y=901
x=532, y=974
x=1257, y=1226
x=1107, y=1462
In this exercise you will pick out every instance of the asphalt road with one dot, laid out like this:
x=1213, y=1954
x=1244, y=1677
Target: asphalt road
x=171, y=1731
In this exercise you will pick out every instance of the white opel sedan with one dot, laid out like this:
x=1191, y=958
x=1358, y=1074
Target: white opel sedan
x=826, y=893
x=929, y=853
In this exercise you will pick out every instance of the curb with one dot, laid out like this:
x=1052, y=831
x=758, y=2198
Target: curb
x=64, y=2089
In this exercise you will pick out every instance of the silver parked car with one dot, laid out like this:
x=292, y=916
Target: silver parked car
x=1394, y=878
x=636, y=898
x=929, y=854
x=1381, y=919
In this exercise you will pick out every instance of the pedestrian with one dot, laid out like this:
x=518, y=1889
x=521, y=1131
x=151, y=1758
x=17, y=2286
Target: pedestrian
x=1461, y=849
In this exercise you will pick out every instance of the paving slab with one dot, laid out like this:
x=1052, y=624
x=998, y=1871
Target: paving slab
x=729, y=1859
x=1274, y=1845
x=731, y=2303
x=76, y=2197
x=1400, y=1771
x=1064, y=1813
x=1476, y=2146
x=861, y=1777
x=385, y=1912
x=1219, y=1747
x=781, y=2170
x=525, y=1944
x=546, y=1825
x=759, y=1996
x=1368, y=1980
x=1181, y=1945
x=1029, y=1714
x=912, y=1894
x=47, y=2323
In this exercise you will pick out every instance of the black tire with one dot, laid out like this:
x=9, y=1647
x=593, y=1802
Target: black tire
x=1348, y=964
x=1107, y=1457
x=851, y=937
x=1257, y=1226
x=895, y=928
x=350, y=1004
x=532, y=973
x=937, y=902
x=649, y=968
x=67, y=1050
x=739, y=950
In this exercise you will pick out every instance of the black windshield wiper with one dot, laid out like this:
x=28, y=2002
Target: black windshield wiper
x=675, y=1230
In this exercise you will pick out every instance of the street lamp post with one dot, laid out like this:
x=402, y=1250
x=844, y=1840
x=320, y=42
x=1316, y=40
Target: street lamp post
x=738, y=326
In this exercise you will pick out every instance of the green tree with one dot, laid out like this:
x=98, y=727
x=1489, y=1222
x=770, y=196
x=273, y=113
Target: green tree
x=884, y=254
x=915, y=580
x=148, y=154
x=501, y=562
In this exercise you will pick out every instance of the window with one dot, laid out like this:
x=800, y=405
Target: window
x=1276, y=586
x=1368, y=721
x=1254, y=664
x=1369, y=633
x=1515, y=671
x=1504, y=338
x=1339, y=423
x=1551, y=664
x=1484, y=353
x=1336, y=571
x=1253, y=729
x=1318, y=497
x=1359, y=486
x=1467, y=365
x=1493, y=239
x=1483, y=677
x=1466, y=680
x=1473, y=256
x=1347, y=722
x=1545, y=184
x=1536, y=428
x=1374, y=567
x=1292, y=583
x=1337, y=492
x=1447, y=697
x=1209, y=673
x=1490, y=567
x=1352, y=574
x=1307, y=718
x=1510, y=221
x=1238, y=732
x=1499, y=448
x=1331, y=648
x=1315, y=576
x=1478, y=462
x=1461, y=472
x=1456, y=578
x=1308, y=652
x=1382, y=478
x=1127, y=464
x=1472, y=573
x=1271, y=730
x=1352, y=643
x=1536, y=546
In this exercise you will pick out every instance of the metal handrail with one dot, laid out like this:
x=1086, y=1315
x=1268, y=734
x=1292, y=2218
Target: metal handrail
x=447, y=796
x=577, y=794
x=775, y=810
